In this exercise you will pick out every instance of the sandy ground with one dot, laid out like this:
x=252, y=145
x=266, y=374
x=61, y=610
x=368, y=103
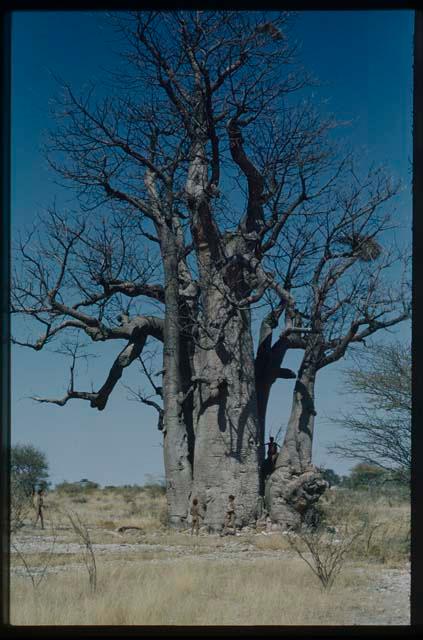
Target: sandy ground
x=390, y=591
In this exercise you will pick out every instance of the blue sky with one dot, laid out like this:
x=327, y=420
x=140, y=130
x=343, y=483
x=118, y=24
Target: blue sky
x=363, y=60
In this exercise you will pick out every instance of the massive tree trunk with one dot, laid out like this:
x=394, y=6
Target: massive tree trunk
x=227, y=454
x=295, y=485
x=226, y=459
x=177, y=459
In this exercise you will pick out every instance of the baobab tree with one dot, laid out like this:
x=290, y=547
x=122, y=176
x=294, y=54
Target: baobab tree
x=346, y=293
x=206, y=189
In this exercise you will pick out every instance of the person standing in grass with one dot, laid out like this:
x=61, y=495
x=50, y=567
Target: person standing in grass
x=196, y=515
x=39, y=507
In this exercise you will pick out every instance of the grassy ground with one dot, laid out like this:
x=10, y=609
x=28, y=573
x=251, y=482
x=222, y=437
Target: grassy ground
x=156, y=576
x=265, y=591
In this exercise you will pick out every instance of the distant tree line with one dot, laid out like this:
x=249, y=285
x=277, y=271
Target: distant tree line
x=364, y=475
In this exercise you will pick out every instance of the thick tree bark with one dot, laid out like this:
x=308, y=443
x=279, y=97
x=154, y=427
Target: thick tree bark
x=295, y=485
x=226, y=459
x=297, y=445
x=264, y=370
x=267, y=370
x=178, y=468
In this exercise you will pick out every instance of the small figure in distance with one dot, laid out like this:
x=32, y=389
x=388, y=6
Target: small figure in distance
x=272, y=454
x=229, y=523
x=196, y=515
x=39, y=506
x=272, y=450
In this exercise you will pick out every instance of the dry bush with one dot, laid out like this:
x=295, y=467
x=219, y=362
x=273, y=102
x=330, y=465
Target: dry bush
x=325, y=549
x=21, y=505
x=81, y=530
x=37, y=571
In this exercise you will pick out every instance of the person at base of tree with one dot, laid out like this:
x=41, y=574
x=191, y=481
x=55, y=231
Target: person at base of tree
x=229, y=522
x=196, y=515
x=272, y=454
x=272, y=450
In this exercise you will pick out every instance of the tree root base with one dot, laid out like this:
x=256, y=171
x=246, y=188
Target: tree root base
x=291, y=497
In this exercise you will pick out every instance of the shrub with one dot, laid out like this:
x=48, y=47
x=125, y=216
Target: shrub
x=325, y=549
x=28, y=472
x=20, y=504
x=70, y=488
x=28, y=467
x=330, y=476
x=366, y=475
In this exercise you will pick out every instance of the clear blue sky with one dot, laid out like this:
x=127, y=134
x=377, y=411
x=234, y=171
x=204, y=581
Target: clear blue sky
x=364, y=62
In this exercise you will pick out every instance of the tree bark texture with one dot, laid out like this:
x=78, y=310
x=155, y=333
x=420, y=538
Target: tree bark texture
x=226, y=457
x=178, y=468
x=295, y=485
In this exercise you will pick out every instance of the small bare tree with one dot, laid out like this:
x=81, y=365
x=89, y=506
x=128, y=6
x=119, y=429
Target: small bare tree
x=83, y=534
x=323, y=551
x=37, y=574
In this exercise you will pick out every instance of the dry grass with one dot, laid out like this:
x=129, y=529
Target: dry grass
x=173, y=582
x=386, y=520
x=274, y=542
x=43, y=558
x=193, y=592
x=110, y=508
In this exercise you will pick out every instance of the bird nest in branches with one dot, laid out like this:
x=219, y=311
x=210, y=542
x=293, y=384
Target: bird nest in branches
x=365, y=247
x=270, y=29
